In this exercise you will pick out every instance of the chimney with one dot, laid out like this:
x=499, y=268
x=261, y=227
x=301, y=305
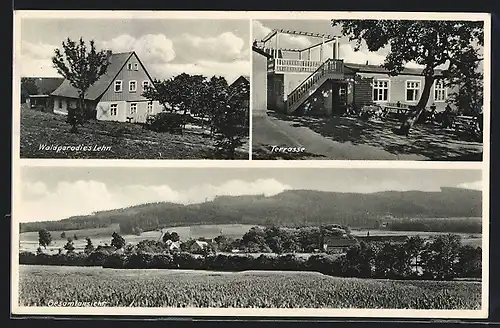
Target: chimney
x=367, y=62
x=108, y=54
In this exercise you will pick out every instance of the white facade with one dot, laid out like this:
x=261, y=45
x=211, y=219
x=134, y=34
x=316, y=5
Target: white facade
x=127, y=111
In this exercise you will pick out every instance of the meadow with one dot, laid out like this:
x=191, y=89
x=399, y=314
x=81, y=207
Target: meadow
x=28, y=241
x=39, y=285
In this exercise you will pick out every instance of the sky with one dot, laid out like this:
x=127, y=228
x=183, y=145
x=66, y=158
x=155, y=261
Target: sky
x=54, y=193
x=167, y=47
x=260, y=28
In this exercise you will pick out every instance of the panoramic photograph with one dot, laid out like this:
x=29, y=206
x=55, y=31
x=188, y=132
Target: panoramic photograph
x=113, y=88
x=220, y=238
x=368, y=89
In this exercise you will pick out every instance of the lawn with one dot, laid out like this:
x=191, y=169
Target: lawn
x=39, y=285
x=126, y=140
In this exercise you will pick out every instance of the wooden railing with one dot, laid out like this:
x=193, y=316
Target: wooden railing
x=328, y=68
x=283, y=65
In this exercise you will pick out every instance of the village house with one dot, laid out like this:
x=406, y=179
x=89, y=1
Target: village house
x=316, y=81
x=337, y=244
x=199, y=247
x=44, y=86
x=117, y=95
x=243, y=80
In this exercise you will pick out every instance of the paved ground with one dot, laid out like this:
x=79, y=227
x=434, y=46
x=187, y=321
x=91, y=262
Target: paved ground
x=343, y=138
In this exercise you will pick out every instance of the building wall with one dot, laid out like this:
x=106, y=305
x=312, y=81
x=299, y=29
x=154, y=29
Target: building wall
x=61, y=104
x=275, y=92
x=259, y=84
x=126, y=75
x=397, y=89
x=292, y=80
x=123, y=111
x=320, y=103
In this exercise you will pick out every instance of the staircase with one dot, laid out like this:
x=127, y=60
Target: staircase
x=330, y=69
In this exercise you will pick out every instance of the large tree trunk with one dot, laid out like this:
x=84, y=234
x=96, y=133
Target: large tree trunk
x=419, y=108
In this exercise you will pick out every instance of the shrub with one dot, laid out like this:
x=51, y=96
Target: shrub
x=139, y=261
x=167, y=122
x=185, y=260
x=163, y=261
x=97, y=258
x=115, y=261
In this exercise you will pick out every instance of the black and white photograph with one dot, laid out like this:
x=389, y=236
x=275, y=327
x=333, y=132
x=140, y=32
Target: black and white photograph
x=134, y=87
x=369, y=89
x=238, y=238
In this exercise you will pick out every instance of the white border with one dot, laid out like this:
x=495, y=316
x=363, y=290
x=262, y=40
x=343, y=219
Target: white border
x=359, y=313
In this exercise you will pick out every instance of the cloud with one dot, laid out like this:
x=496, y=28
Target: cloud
x=84, y=197
x=285, y=40
x=225, y=47
x=34, y=59
x=230, y=70
x=476, y=185
x=151, y=48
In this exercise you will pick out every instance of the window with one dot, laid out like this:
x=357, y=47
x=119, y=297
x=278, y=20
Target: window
x=114, y=109
x=150, y=107
x=439, y=91
x=381, y=90
x=412, y=90
x=118, y=86
x=132, y=86
x=129, y=66
x=133, y=108
x=145, y=85
x=60, y=104
x=136, y=67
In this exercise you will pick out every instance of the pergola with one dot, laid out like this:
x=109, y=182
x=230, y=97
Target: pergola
x=273, y=39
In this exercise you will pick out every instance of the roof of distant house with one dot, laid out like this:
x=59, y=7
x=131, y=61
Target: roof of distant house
x=201, y=243
x=46, y=85
x=364, y=68
x=117, y=61
x=243, y=78
x=338, y=241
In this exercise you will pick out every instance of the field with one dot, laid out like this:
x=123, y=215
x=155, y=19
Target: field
x=127, y=140
x=40, y=285
x=474, y=240
x=28, y=241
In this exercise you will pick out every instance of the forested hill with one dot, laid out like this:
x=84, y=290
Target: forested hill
x=289, y=208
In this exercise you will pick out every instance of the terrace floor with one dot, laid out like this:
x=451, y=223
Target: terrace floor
x=344, y=138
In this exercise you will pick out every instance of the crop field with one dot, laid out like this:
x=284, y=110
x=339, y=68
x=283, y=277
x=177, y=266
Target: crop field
x=39, y=285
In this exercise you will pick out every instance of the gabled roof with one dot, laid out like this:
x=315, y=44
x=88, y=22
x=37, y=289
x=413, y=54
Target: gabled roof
x=242, y=78
x=117, y=62
x=46, y=85
x=363, y=68
x=201, y=243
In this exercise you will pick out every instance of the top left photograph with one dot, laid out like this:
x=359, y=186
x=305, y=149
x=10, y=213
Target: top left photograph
x=132, y=88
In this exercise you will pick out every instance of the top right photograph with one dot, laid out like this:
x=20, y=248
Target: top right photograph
x=368, y=90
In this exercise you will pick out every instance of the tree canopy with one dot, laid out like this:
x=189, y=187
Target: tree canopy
x=429, y=43
x=82, y=67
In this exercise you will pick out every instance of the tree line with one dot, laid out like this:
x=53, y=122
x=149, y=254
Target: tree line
x=441, y=257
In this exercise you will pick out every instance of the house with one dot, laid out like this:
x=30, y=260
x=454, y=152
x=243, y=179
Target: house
x=259, y=81
x=199, y=246
x=44, y=86
x=117, y=95
x=243, y=80
x=173, y=245
x=314, y=80
x=337, y=243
